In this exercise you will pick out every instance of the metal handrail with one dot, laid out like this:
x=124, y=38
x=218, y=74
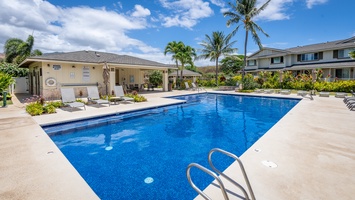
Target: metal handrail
x=227, y=177
x=209, y=172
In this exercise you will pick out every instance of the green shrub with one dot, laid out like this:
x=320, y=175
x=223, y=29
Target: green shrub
x=156, y=78
x=49, y=109
x=136, y=97
x=5, y=81
x=248, y=82
x=56, y=104
x=34, y=108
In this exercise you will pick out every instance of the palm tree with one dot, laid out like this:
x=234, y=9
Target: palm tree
x=186, y=55
x=10, y=49
x=245, y=11
x=17, y=50
x=216, y=46
x=173, y=48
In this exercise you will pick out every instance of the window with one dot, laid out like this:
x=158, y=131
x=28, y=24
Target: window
x=310, y=56
x=342, y=73
x=251, y=62
x=343, y=53
x=57, y=67
x=86, y=74
x=277, y=60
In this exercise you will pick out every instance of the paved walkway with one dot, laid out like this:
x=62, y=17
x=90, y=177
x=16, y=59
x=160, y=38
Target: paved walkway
x=312, y=146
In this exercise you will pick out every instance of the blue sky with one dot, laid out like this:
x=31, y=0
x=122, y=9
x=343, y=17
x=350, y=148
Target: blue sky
x=142, y=28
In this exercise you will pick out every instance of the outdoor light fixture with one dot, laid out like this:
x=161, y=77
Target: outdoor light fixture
x=73, y=66
x=93, y=67
x=48, y=65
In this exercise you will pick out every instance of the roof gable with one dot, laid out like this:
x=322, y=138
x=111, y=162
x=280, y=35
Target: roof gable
x=267, y=52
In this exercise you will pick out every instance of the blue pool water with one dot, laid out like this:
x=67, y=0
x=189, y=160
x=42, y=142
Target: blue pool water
x=144, y=155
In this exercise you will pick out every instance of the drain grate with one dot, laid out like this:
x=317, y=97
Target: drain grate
x=269, y=163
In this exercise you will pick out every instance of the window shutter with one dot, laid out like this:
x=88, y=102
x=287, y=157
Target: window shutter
x=320, y=55
x=335, y=54
x=298, y=57
x=281, y=59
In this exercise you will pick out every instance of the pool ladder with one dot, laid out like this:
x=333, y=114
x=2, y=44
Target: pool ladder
x=214, y=175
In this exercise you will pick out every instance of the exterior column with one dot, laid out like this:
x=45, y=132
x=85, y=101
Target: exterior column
x=112, y=80
x=194, y=79
x=165, y=80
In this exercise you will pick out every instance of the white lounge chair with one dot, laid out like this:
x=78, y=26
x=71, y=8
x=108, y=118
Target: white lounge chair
x=68, y=98
x=187, y=86
x=195, y=87
x=93, y=95
x=120, y=95
x=302, y=93
x=324, y=94
x=269, y=91
x=285, y=92
x=340, y=95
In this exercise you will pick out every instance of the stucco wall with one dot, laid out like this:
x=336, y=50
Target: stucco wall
x=72, y=75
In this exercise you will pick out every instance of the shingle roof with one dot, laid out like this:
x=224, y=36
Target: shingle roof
x=341, y=64
x=96, y=57
x=338, y=44
x=185, y=72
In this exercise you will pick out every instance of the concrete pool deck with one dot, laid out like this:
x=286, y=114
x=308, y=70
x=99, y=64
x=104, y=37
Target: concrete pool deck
x=313, y=146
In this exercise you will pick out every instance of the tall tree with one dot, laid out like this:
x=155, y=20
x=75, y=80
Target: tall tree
x=352, y=54
x=186, y=55
x=10, y=49
x=17, y=50
x=232, y=64
x=215, y=46
x=245, y=11
x=173, y=48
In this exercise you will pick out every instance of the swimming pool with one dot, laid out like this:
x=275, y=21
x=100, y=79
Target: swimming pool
x=144, y=155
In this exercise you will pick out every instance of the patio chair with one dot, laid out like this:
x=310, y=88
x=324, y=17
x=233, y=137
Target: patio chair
x=347, y=99
x=302, y=93
x=187, y=86
x=93, y=95
x=120, y=95
x=195, y=87
x=340, y=95
x=68, y=98
x=324, y=94
x=352, y=93
x=285, y=92
x=269, y=91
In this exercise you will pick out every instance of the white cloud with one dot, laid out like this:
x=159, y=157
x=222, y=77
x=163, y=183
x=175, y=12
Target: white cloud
x=185, y=13
x=72, y=28
x=118, y=4
x=140, y=11
x=311, y=3
x=276, y=10
x=219, y=3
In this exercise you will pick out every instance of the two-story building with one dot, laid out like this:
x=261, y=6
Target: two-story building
x=332, y=57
